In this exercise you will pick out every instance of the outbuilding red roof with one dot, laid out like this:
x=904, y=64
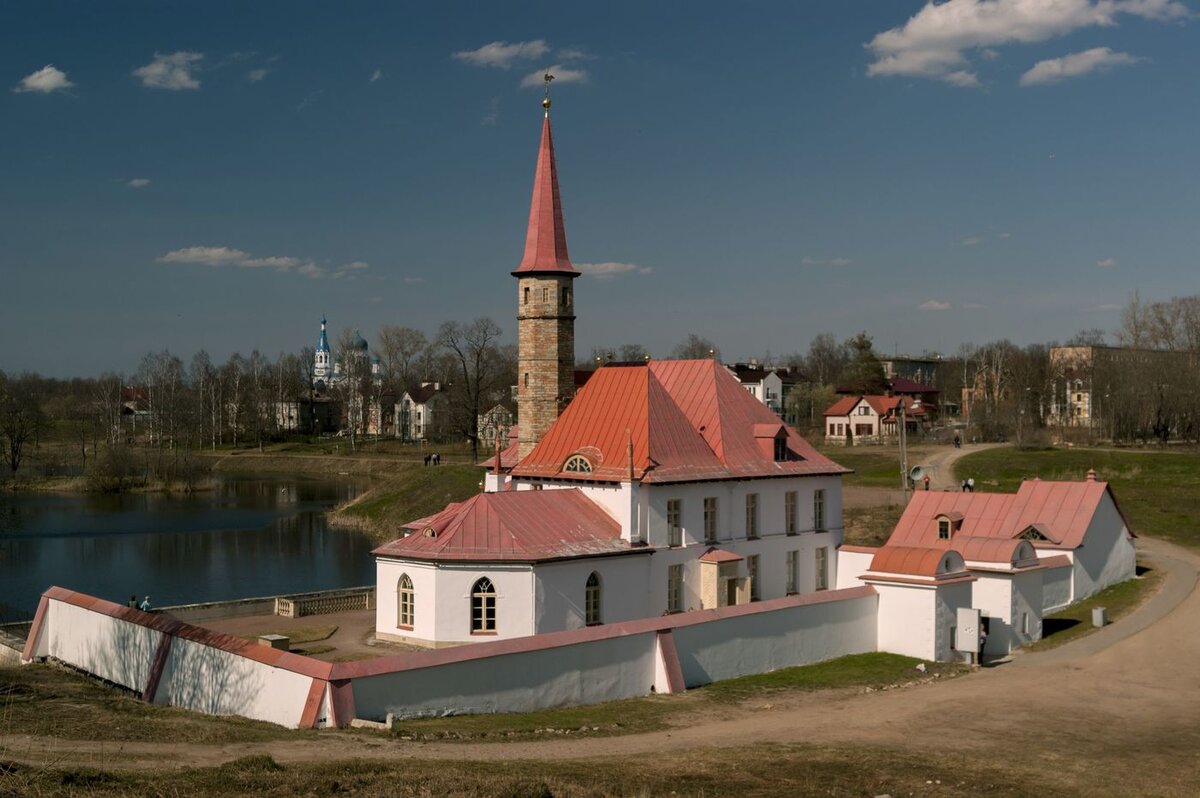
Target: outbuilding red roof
x=1064, y=510
x=520, y=526
x=914, y=561
x=882, y=405
x=686, y=420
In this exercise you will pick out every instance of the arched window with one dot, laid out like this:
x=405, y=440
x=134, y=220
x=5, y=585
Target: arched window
x=591, y=602
x=577, y=464
x=405, y=602
x=483, y=607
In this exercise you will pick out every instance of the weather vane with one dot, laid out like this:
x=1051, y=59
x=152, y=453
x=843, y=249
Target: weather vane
x=546, y=100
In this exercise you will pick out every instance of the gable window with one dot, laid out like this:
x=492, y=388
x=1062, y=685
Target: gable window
x=710, y=519
x=864, y=411
x=752, y=572
x=789, y=512
x=819, y=510
x=483, y=607
x=822, y=568
x=577, y=464
x=781, y=449
x=674, y=522
x=793, y=572
x=943, y=529
x=751, y=515
x=1032, y=534
x=591, y=601
x=675, y=588
x=405, y=602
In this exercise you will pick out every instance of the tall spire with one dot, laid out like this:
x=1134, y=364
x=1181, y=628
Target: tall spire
x=546, y=237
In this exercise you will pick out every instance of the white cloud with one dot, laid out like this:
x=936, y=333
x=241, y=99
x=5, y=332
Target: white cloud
x=493, y=114
x=811, y=261
x=574, y=54
x=971, y=241
x=1097, y=59
x=255, y=75
x=934, y=304
x=47, y=79
x=607, y=271
x=413, y=280
x=1107, y=263
x=561, y=74
x=934, y=42
x=210, y=256
x=376, y=75
x=227, y=256
x=171, y=71
x=503, y=55
x=1004, y=235
x=139, y=182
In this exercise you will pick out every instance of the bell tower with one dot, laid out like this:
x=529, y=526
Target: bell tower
x=545, y=304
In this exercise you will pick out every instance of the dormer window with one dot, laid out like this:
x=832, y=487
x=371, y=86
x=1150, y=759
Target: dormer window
x=577, y=464
x=781, y=449
x=943, y=529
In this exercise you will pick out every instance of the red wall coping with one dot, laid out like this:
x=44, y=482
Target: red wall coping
x=588, y=634
x=858, y=549
x=250, y=649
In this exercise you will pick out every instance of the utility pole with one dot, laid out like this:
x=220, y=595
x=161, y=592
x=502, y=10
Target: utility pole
x=903, y=452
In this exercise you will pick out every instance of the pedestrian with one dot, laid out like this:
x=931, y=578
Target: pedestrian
x=957, y=442
x=145, y=605
x=133, y=602
x=963, y=486
x=971, y=484
x=925, y=479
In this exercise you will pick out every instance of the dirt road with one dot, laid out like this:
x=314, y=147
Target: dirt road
x=1131, y=689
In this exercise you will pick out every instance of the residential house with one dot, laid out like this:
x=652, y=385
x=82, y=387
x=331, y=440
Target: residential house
x=423, y=414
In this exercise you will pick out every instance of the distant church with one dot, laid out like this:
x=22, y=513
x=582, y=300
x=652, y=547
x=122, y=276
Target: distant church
x=328, y=371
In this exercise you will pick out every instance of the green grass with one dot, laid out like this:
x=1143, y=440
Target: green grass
x=870, y=526
x=1159, y=491
x=52, y=701
x=1075, y=621
x=413, y=493
x=874, y=670
x=874, y=466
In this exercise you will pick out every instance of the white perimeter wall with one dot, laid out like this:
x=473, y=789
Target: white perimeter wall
x=851, y=565
x=730, y=647
x=216, y=682
x=906, y=619
x=1004, y=598
x=623, y=666
x=949, y=599
x=115, y=650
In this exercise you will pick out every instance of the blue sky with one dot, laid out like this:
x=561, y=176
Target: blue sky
x=219, y=175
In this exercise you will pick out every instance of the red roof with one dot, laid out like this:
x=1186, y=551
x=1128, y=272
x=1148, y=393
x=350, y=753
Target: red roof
x=426, y=392
x=546, y=238
x=882, y=405
x=1001, y=550
x=687, y=420
x=720, y=555
x=905, y=385
x=913, y=561
x=1063, y=510
x=520, y=526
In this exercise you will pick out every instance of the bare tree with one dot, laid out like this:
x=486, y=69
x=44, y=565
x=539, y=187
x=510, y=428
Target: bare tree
x=695, y=347
x=21, y=417
x=477, y=359
x=400, y=350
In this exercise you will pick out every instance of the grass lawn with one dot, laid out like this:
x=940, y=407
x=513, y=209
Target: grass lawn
x=874, y=670
x=415, y=492
x=874, y=466
x=870, y=526
x=1159, y=491
x=1075, y=621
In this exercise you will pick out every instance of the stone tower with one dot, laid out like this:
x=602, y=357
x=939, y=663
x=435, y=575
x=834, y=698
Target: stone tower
x=545, y=306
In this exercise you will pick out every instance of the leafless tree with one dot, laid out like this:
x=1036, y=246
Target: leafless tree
x=695, y=347
x=400, y=350
x=479, y=371
x=21, y=417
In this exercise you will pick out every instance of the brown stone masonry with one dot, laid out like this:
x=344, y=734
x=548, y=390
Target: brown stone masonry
x=546, y=346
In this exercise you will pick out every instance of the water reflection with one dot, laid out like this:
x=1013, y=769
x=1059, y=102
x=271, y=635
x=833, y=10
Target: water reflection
x=247, y=538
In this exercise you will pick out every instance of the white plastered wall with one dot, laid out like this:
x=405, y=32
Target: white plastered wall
x=117, y=651
x=560, y=586
x=906, y=619
x=216, y=682
x=949, y=598
x=1056, y=588
x=1107, y=556
x=851, y=565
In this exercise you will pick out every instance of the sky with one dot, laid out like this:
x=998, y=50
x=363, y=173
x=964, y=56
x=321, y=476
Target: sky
x=219, y=175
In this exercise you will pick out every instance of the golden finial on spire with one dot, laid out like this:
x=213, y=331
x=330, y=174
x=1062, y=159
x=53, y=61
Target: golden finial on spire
x=546, y=99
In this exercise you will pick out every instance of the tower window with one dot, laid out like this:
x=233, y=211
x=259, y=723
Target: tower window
x=566, y=297
x=526, y=295
x=527, y=379
x=545, y=294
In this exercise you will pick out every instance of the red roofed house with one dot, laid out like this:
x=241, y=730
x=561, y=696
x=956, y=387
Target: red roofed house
x=653, y=488
x=868, y=419
x=1046, y=546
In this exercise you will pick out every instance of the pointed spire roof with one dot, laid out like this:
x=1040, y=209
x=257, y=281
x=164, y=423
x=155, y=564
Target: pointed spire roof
x=546, y=238
x=323, y=340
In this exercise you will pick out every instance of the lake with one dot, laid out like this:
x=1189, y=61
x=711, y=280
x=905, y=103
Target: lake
x=247, y=537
